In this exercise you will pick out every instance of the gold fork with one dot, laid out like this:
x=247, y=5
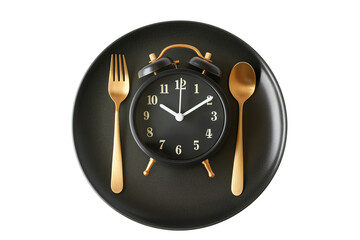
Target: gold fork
x=118, y=91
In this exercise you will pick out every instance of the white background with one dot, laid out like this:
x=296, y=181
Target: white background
x=311, y=46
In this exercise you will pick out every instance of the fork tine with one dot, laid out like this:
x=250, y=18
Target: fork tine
x=111, y=76
x=121, y=69
x=125, y=70
x=116, y=69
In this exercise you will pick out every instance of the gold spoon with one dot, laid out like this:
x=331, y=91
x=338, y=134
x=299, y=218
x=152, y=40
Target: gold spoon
x=242, y=82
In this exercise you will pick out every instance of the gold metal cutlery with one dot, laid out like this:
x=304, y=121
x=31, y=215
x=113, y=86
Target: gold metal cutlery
x=242, y=82
x=119, y=86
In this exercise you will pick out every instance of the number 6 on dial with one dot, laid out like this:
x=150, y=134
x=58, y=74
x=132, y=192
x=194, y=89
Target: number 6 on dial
x=178, y=149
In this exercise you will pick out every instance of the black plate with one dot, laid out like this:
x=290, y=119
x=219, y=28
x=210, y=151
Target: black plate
x=174, y=197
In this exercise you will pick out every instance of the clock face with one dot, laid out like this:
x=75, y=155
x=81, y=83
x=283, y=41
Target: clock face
x=178, y=116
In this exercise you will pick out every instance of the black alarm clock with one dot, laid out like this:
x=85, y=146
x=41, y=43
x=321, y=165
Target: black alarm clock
x=179, y=115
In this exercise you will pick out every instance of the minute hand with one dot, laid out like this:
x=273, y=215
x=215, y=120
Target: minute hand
x=208, y=99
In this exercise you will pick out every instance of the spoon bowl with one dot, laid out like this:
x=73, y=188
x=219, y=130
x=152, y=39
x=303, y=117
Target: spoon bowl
x=242, y=81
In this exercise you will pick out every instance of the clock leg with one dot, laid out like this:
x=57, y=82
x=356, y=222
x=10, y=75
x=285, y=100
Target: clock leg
x=149, y=166
x=208, y=168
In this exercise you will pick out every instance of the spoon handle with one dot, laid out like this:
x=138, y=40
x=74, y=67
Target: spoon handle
x=237, y=182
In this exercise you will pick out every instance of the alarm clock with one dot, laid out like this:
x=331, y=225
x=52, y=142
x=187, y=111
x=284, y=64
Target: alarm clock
x=179, y=115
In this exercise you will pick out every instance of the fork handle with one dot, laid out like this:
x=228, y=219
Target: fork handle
x=117, y=183
x=237, y=182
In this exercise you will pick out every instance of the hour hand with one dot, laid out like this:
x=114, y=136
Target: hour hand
x=178, y=116
x=168, y=110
